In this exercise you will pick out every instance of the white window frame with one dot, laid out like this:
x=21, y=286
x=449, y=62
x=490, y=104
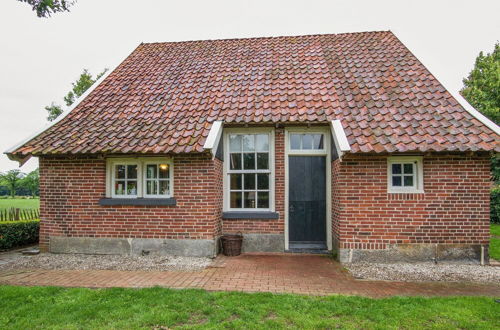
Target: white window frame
x=303, y=152
x=418, y=175
x=141, y=163
x=227, y=171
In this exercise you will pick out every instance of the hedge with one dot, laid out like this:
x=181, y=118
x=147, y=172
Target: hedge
x=18, y=233
x=495, y=205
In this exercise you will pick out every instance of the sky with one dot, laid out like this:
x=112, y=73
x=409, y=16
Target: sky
x=41, y=57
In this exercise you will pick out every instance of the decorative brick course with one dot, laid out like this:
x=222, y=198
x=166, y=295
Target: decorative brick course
x=453, y=210
x=70, y=189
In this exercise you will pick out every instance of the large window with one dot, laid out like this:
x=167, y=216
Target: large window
x=141, y=177
x=249, y=174
x=405, y=174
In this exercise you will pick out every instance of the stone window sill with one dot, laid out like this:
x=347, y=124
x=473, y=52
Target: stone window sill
x=251, y=215
x=137, y=201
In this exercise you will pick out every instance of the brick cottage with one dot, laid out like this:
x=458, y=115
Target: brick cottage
x=342, y=143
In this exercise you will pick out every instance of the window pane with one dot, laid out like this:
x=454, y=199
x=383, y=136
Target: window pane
x=120, y=188
x=151, y=187
x=263, y=161
x=151, y=172
x=408, y=168
x=396, y=168
x=295, y=141
x=263, y=199
x=164, y=187
x=120, y=171
x=396, y=181
x=163, y=171
x=235, y=181
x=263, y=181
x=262, y=142
x=131, y=171
x=131, y=188
x=249, y=142
x=307, y=141
x=235, y=163
x=235, y=143
x=249, y=161
x=318, y=141
x=408, y=181
x=249, y=200
x=249, y=181
x=236, y=200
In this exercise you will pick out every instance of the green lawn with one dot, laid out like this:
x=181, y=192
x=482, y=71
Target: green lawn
x=495, y=229
x=495, y=242
x=21, y=203
x=51, y=307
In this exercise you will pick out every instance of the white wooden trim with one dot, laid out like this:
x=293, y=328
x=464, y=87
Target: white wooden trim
x=66, y=111
x=141, y=186
x=479, y=116
x=419, y=175
x=339, y=138
x=213, y=138
x=325, y=152
x=226, y=189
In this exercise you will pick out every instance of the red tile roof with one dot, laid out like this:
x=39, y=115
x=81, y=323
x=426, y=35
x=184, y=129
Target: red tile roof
x=165, y=96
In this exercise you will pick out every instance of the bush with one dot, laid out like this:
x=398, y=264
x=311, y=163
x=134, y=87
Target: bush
x=495, y=205
x=18, y=233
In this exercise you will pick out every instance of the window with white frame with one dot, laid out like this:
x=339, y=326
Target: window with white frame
x=405, y=174
x=141, y=177
x=248, y=171
x=307, y=141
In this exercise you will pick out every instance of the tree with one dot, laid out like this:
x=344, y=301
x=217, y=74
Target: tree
x=11, y=179
x=31, y=182
x=482, y=86
x=44, y=8
x=79, y=87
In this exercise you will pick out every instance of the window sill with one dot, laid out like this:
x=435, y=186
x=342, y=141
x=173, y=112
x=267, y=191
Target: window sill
x=138, y=201
x=261, y=215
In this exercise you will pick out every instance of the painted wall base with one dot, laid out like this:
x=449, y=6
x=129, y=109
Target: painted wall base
x=263, y=243
x=416, y=253
x=133, y=246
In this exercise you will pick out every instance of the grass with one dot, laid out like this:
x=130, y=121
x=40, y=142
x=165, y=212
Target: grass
x=22, y=203
x=495, y=241
x=495, y=229
x=52, y=307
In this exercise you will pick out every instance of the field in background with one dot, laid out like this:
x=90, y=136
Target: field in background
x=20, y=203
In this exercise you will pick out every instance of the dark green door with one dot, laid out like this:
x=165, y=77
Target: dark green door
x=307, y=199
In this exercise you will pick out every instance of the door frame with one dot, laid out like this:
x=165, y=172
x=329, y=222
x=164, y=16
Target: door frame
x=326, y=152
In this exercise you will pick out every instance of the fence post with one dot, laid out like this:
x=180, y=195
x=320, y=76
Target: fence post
x=16, y=214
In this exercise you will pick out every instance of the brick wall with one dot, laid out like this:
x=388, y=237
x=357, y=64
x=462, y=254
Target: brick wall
x=453, y=210
x=276, y=226
x=71, y=188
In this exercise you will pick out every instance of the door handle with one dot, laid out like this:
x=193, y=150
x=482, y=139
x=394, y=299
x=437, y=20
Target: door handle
x=291, y=208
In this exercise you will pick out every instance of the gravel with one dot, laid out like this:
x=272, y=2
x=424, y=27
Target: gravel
x=106, y=262
x=426, y=271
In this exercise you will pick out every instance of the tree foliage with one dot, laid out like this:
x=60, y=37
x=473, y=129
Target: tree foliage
x=31, y=182
x=45, y=8
x=78, y=88
x=11, y=180
x=482, y=86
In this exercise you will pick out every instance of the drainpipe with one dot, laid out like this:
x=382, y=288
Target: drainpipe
x=482, y=255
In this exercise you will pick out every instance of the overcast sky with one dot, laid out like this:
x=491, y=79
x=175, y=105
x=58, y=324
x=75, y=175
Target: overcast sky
x=39, y=58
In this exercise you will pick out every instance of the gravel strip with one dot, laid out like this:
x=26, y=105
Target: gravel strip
x=425, y=272
x=106, y=262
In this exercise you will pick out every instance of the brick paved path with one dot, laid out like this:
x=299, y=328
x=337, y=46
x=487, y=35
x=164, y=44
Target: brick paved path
x=282, y=273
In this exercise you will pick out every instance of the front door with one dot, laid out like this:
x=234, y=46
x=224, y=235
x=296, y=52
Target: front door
x=307, y=202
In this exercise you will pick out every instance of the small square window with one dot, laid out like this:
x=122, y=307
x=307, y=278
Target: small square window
x=405, y=175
